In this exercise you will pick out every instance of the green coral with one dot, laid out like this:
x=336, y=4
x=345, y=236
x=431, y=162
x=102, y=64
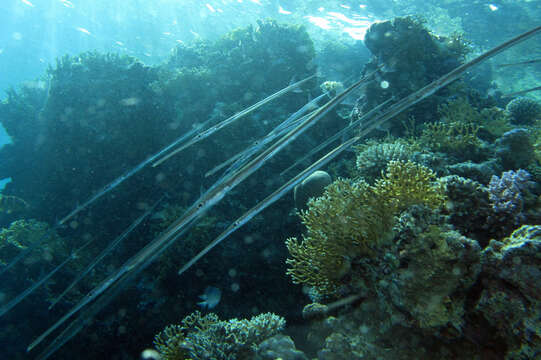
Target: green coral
x=456, y=133
x=208, y=337
x=452, y=137
x=351, y=219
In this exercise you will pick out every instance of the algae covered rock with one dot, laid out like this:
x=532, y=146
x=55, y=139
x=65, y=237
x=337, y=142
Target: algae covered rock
x=279, y=347
x=408, y=57
x=515, y=149
x=511, y=299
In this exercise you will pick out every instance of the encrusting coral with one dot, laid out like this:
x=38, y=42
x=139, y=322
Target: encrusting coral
x=352, y=218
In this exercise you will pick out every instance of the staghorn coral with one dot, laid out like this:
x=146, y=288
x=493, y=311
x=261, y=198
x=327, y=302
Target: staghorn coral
x=171, y=344
x=456, y=133
x=340, y=224
x=207, y=337
x=495, y=122
x=352, y=219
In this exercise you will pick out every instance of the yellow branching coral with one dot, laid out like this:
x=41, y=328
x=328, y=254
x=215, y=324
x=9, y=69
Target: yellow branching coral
x=170, y=343
x=352, y=218
x=408, y=183
x=341, y=224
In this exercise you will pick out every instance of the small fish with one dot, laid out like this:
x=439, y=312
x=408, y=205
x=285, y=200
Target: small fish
x=26, y=2
x=211, y=297
x=9, y=204
x=83, y=30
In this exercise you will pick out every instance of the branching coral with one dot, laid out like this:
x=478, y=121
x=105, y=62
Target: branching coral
x=407, y=183
x=456, y=133
x=352, y=218
x=452, y=137
x=207, y=337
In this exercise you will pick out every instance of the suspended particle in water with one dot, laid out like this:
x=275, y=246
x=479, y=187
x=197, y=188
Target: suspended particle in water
x=150, y=354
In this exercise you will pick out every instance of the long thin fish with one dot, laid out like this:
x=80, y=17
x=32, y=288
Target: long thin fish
x=243, y=157
x=113, y=184
x=393, y=111
x=155, y=247
x=338, y=135
x=277, y=131
x=205, y=134
x=527, y=62
x=110, y=247
x=522, y=92
x=15, y=301
x=107, y=188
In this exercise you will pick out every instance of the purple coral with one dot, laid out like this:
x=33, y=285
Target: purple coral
x=505, y=193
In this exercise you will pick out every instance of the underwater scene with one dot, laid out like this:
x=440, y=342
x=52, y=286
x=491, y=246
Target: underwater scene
x=270, y=179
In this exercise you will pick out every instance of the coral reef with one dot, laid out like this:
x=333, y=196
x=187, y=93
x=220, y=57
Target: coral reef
x=506, y=194
x=523, y=111
x=207, y=337
x=352, y=219
x=422, y=265
x=65, y=140
x=468, y=207
x=92, y=106
x=414, y=300
x=411, y=58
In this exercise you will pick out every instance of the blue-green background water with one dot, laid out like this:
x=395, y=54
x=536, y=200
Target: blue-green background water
x=90, y=89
